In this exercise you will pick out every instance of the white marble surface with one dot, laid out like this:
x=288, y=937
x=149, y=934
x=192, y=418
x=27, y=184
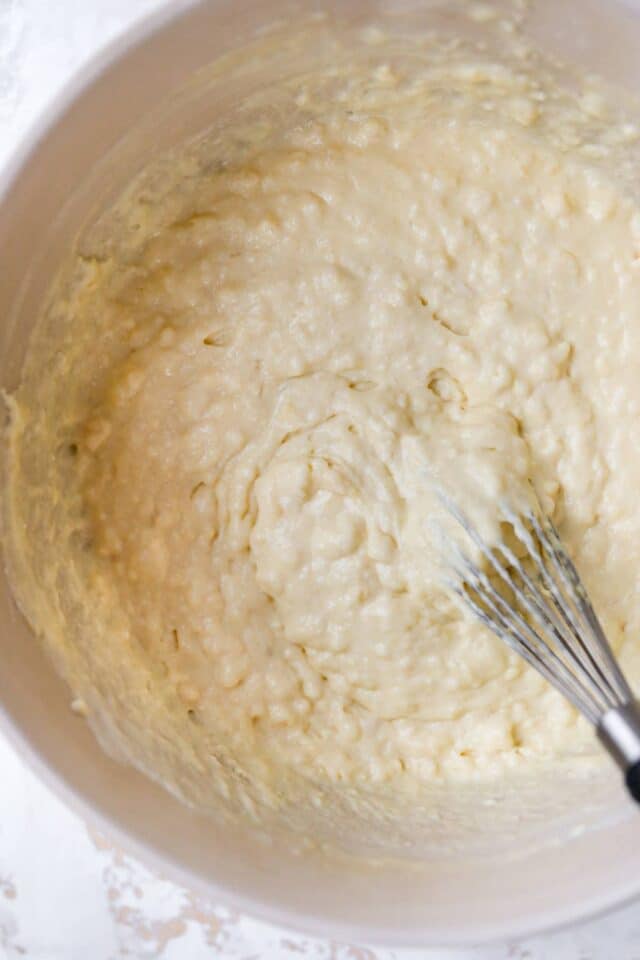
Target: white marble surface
x=65, y=892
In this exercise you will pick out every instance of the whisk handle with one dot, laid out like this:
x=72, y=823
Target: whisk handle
x=619, y=731
x=632, y=779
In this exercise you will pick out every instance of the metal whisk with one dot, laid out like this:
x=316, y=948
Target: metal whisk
x=535, y=601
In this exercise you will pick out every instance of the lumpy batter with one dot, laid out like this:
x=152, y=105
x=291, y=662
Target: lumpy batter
x=223, y=446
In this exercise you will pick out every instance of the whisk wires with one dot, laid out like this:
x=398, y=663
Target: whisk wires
x=535, y=601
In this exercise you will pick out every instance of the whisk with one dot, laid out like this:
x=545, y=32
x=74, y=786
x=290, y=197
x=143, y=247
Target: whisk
x=531, y=596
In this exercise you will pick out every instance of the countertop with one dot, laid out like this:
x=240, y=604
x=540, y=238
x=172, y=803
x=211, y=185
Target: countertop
x=65, y=892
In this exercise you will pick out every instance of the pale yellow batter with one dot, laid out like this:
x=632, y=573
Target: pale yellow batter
x=223, y=449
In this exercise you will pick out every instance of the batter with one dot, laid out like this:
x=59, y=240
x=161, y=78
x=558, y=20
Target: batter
x=221, y=454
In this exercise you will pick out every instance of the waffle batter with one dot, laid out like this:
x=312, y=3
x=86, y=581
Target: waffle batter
x=220, y=453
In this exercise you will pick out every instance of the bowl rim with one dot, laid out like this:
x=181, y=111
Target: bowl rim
x=542, y=921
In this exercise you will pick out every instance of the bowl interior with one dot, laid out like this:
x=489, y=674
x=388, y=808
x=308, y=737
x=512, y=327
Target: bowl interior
x=144, y=95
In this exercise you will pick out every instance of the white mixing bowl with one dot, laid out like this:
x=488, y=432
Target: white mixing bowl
x=60, y=179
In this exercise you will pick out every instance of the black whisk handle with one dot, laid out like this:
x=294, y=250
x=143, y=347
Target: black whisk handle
x=632, y=780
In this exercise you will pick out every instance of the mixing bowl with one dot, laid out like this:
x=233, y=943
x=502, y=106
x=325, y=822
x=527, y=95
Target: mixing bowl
x=138, y=98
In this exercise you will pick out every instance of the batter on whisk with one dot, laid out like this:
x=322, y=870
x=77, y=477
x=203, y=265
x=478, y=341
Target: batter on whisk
x=217, y=509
